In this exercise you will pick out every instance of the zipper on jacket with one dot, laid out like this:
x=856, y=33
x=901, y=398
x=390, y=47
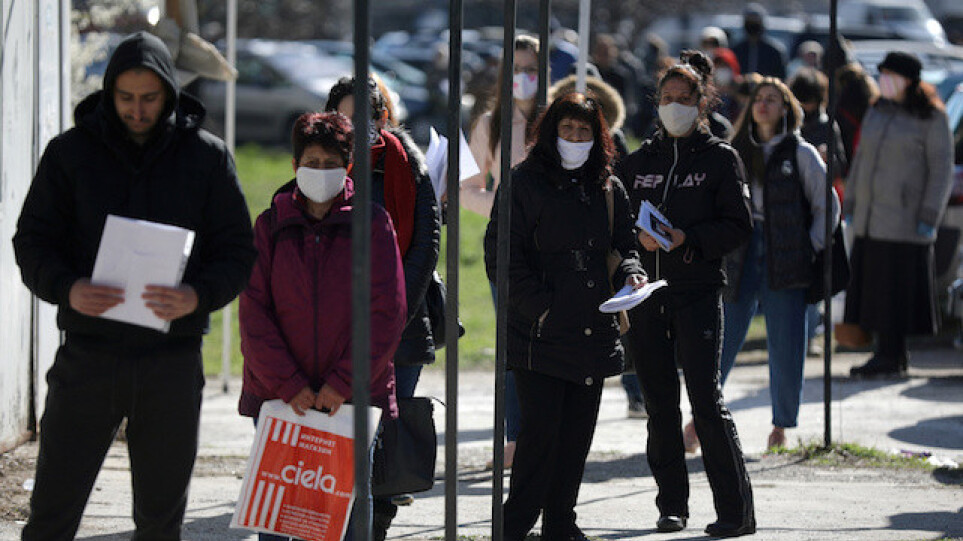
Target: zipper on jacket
x=317, y=305
x=665, y=194
x=536, y=333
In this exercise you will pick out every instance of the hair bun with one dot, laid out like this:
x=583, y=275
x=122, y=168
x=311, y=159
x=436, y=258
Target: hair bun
x=699, y=61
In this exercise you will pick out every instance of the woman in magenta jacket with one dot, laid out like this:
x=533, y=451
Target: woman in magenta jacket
x=295, y=315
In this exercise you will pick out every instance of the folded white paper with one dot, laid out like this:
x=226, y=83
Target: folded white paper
x=437, y=158
x=653, y=222
x=628, y=298
x=137, y=253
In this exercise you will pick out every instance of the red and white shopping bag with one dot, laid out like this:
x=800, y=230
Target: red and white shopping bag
x=300, y=475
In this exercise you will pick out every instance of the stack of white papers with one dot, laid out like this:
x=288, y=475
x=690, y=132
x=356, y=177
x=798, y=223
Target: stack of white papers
x=654, y=223
x=437, y=158
x=628, y=298
x=137, y=253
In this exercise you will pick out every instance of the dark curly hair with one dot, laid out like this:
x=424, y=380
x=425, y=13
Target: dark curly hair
x=345, y=87
x=693, y=68
x=576, y=106
x=330, y=131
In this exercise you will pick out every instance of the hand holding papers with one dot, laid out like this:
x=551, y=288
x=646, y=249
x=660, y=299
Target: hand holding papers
x=134, y=254
x=655, y=224
x=437, y=158
x=628, y=298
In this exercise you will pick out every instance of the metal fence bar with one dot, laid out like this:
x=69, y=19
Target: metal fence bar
x=230, y=123
x=504, y=224
x=451, y=272
x=833, y=58
x=544, y=44
x=361, y=270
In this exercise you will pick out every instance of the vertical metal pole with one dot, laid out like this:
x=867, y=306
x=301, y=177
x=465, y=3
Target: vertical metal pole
x=361, y=271
x=504, y=200
x=455, y=25
x=833, y=56
x=230, y=121
x=584, y=9
x=544, y=44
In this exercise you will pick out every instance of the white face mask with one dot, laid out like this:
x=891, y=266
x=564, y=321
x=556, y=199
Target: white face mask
x=373, y=133
x=574, y=155
x=524, y=86
x=320, y=185
x=891, y=86
x=677, y=118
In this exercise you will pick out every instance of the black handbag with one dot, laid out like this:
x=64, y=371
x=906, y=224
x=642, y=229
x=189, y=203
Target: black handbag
x=405, y=451
x=841, y=271
x=435, y=301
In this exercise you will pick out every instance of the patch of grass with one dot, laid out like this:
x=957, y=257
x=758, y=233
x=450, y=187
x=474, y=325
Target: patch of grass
x=852, y=455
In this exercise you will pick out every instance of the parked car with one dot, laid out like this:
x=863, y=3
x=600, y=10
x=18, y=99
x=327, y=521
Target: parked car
x=277, y=82
x=954, y=212
x=909, y=19
x=939, y=62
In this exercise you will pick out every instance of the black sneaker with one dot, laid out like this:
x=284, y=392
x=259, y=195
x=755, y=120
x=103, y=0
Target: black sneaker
x=878, y=367
x=730, y=529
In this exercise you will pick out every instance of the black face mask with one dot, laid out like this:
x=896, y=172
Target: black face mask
x=753, y=29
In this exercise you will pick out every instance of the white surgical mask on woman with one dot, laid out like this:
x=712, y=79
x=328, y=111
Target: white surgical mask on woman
x=677, y=118
x=891, y=85
x=574, y=155
x=320, y=185
x=524, y=86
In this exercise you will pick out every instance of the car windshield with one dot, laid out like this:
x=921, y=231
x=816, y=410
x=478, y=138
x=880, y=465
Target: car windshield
x=308, y=67
x=898, y=14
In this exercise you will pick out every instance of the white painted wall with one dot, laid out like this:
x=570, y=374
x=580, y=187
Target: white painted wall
x=32, y=110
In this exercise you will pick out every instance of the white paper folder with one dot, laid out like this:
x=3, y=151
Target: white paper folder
x=137, y=253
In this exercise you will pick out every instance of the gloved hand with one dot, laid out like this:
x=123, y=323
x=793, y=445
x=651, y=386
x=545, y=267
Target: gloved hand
x=925, y=230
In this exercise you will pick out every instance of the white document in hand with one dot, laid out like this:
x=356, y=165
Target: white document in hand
x=437, y=158
x=137, y=253
x=653, y=222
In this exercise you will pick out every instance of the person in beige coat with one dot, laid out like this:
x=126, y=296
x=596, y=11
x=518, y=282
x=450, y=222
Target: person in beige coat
x=897, y=192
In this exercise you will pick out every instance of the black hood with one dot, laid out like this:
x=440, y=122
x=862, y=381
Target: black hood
x=142, y=50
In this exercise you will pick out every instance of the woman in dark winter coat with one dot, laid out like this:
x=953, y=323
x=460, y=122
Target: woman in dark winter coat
x=898, y=188
x=613, y=109
x=400, y=183
x=560, y=346
x=787, y=181
x=696, y=181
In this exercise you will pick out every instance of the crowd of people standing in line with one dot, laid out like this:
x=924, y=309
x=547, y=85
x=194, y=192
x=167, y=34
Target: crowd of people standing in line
x=746, y=207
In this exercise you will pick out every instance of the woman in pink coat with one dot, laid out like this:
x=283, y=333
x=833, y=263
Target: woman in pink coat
x=295, y=315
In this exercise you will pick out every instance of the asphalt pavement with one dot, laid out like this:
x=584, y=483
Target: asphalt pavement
x=919, y=414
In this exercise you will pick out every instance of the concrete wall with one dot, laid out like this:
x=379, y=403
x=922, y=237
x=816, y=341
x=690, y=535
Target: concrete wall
x=33, y=79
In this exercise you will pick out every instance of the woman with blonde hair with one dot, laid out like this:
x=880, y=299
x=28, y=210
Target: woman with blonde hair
x=478, y=192
x=787, y=181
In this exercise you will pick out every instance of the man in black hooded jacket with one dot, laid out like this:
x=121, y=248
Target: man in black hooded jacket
x=136, y=151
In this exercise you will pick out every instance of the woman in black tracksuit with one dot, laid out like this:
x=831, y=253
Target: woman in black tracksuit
x=560, y=346
x=697, y=182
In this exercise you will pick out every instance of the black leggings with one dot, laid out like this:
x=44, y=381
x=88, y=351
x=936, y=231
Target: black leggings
x=558, y=423
x=686, y=328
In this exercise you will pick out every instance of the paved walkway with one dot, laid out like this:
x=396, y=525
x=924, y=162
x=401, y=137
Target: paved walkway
x=793, y=502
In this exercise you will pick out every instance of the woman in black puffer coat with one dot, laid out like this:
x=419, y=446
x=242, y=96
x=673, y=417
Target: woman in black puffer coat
x=560, y=346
